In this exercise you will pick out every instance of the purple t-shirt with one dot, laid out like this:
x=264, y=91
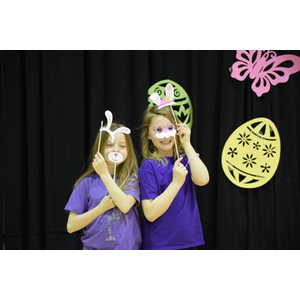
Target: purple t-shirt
x=180, y=226
x=113, y=229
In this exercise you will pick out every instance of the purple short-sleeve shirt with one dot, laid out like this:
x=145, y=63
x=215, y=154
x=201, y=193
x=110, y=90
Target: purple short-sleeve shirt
x=113, y=229
x=180, y=226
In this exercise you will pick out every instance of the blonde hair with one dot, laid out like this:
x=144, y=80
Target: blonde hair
x=126, y=171
x=147, y=147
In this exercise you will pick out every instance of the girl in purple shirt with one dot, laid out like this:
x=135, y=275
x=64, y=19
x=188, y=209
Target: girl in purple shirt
x=103, y=206
x=168, y=196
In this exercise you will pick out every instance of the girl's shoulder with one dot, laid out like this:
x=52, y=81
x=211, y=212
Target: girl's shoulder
x=87, y=180
x=91, y=176
x=151, y=163
x=148, y=163
x=164, y=162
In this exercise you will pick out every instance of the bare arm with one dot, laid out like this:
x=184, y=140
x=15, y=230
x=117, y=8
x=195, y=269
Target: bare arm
x=77, y=222
x=200, y=175
x=154, y=208
x=123, y=201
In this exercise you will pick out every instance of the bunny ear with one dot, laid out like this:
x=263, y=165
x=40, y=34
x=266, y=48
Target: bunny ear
x=109, y=118
x=101, y=125
x=169, y=91
x=122, y=130
x=155, y=98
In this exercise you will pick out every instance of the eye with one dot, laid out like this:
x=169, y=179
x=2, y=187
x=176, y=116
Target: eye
x=159, y=129
x=123, y=146
x=171, y=127
x=109, y=145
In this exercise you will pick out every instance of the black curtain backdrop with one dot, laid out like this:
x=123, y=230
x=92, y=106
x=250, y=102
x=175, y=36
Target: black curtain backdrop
x=52, y=103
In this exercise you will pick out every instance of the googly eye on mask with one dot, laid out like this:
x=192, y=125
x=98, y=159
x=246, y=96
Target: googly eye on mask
x=165, y=131
x=115, y=157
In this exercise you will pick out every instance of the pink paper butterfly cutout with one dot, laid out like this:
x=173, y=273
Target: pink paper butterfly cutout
x=265, y=67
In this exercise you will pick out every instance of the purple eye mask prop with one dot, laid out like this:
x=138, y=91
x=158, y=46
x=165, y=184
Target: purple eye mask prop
x=165, y=131
x=167, y=101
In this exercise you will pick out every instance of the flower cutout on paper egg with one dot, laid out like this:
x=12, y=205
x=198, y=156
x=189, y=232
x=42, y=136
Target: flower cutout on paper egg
x=244, y=139
x=249, y=160
x=269, y=151
x=232, y=152
x=265, y=168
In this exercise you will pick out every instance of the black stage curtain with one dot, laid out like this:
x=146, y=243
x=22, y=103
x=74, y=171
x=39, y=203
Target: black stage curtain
x=52, y=103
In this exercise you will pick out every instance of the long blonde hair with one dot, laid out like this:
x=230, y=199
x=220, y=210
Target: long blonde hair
x=147, y=147
x=126, y=171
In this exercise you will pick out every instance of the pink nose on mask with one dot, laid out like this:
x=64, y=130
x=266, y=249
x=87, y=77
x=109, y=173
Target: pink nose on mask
x=115, y=157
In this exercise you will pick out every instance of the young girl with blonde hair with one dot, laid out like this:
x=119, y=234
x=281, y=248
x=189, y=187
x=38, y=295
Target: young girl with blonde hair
x=104, y=206
x=168, y=196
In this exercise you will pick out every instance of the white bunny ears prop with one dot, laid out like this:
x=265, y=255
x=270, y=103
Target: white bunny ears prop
x=109, y=118
x=168, y=100
x=163, y=102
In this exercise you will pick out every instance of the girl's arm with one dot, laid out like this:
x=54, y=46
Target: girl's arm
x=77, y=222
x=153, y=209
x=200, y=175
x=123, y=201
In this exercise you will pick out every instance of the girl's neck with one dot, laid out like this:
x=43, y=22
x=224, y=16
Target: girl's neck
x=111, y=168
x=166, y=153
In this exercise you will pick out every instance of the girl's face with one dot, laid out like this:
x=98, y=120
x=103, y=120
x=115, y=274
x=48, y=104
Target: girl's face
x=116, y=152
x=161, y=133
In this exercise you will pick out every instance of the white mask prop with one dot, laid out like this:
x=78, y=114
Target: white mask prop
x=165, y=131
x=114, y=157
x=163, y=102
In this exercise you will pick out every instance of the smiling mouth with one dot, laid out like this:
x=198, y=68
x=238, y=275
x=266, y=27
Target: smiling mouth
x=166, y=142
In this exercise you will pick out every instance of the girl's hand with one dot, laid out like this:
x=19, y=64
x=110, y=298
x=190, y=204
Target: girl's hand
x=184, y=133
x=99, y=164
x=107, y=202
x=179, y=172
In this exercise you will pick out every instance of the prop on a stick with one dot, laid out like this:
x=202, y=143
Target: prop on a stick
x=169, y=130
x=114, y=157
